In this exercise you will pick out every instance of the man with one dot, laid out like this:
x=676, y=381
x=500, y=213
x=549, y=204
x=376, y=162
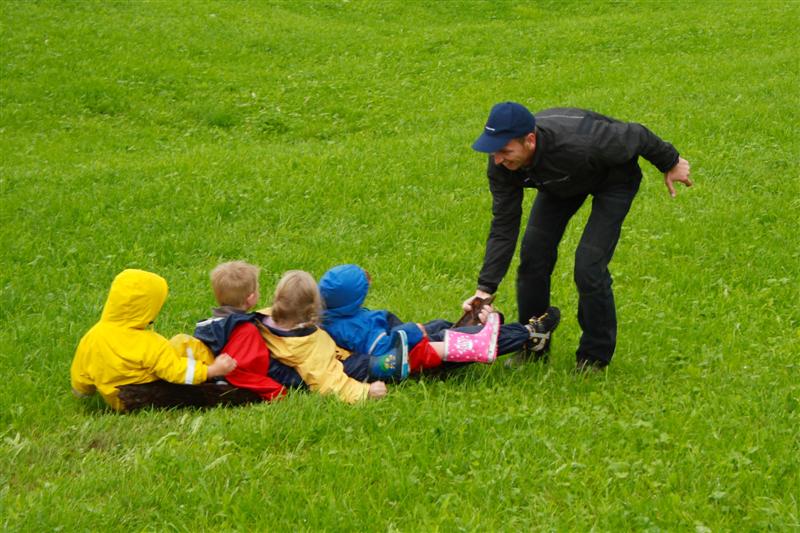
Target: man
x=568, y=155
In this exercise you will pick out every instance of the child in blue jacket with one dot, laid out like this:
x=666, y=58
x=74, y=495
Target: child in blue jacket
x=354, y=327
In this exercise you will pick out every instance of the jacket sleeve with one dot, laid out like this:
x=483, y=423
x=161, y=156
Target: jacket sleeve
x=503, y=234
x=250, y=351
x=616, y=143
x=384, y=341
x=165, y=362
x=323, y=373
x=316, y=363
x=331, y=379
x=413, y=334
x=81, y=382
x=346, y=388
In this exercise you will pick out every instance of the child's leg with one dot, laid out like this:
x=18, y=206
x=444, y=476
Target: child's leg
x=479, y=347
x=439, y=335
x=511, y=338
x=421, y=357
x=437, y=328
x=357, y=367
x=425, y=355
x=392, y=365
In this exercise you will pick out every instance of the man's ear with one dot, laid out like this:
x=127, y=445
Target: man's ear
x=530, y=141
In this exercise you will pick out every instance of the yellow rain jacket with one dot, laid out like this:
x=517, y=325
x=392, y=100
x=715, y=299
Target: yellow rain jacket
x=317, y=359
x=118, y=350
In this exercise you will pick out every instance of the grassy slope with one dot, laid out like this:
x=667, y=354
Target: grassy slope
x=171, y=137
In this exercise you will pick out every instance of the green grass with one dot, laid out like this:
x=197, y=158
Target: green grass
x=171, y=136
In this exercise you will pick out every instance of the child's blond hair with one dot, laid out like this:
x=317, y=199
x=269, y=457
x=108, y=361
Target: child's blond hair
x=297, y=300
x=234, y=282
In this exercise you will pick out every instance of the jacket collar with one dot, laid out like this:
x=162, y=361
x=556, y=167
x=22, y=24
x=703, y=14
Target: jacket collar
x=541, y=145
x=227, y=310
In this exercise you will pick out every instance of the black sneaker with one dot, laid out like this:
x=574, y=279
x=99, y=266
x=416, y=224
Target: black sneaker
x=538, y=346
x=542, y=328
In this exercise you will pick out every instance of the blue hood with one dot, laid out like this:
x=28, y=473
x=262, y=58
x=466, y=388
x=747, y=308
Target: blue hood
x=344, y=289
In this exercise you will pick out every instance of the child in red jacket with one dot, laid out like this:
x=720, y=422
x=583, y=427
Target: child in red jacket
x=233, y=330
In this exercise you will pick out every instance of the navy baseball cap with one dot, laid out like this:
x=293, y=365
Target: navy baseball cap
x=507, y=120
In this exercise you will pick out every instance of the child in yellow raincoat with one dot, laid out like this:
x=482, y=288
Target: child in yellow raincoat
x=120, y=350
x=291, y=331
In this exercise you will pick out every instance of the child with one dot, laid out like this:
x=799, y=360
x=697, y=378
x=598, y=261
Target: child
x=238, y=332
x=291, y=331
x=233, y=330
x=344, y=289
x=119, y=350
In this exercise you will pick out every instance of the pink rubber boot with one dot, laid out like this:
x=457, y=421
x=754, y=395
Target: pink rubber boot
x=478, y=347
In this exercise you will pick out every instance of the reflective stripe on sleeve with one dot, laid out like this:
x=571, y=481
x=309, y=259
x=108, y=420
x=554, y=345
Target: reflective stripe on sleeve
x=190, y=364
x=375, y=342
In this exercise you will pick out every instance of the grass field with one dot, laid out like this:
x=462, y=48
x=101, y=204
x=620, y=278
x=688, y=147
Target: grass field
x=171, y=136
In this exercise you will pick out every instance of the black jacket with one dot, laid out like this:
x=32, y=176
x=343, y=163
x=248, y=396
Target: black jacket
x=578, y=152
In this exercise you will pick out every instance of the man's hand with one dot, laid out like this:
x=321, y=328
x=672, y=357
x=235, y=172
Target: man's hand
x=680, y=172
x=222, y=366
x=486, y=310
x=377, y=390
x=467, y=305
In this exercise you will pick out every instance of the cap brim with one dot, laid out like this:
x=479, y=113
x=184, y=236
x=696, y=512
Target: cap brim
x=490, y=143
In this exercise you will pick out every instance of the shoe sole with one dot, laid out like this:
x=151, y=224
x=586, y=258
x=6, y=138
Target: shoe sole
x=494, y=319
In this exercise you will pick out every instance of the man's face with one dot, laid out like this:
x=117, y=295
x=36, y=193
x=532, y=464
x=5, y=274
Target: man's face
x=516, y=154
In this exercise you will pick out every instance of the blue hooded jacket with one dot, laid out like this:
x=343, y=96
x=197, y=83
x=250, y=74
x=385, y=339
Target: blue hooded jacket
x=344, y=289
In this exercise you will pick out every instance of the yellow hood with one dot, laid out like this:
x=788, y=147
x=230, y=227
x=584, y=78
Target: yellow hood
x=135, y=299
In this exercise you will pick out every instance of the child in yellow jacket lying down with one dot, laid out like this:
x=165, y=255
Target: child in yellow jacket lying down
x=292, y=333
x=120, y=350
